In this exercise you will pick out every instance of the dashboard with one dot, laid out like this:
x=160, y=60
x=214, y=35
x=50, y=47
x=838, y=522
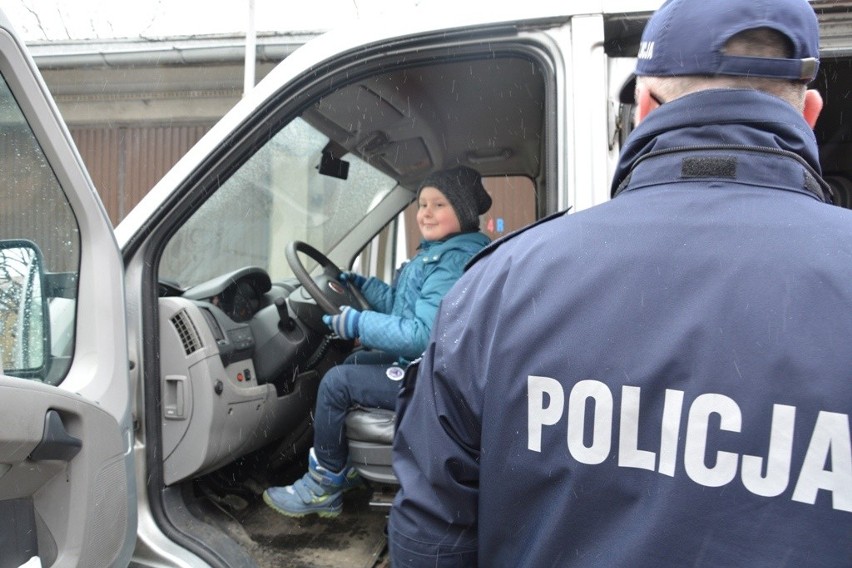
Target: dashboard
x=248, y=320
x=239, y=294
x=241, y=301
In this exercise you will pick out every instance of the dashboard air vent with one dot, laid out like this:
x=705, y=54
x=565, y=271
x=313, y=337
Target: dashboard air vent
x=187, y=332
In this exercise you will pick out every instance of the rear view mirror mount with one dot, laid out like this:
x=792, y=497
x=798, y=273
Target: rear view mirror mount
x=332, y=166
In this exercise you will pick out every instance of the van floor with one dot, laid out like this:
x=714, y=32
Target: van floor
x=356, y=538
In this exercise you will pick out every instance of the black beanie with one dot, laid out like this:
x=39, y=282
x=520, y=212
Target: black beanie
x=463, y=188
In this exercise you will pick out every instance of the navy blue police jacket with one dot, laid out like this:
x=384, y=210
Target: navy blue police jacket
x=661, y=380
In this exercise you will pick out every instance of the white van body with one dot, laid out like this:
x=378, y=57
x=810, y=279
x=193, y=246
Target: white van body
x=182, y=351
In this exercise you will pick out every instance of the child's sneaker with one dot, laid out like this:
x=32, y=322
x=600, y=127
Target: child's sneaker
x=319, y=491
x=352, y=480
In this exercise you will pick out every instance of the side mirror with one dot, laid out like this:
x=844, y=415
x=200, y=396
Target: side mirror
x=24, y=316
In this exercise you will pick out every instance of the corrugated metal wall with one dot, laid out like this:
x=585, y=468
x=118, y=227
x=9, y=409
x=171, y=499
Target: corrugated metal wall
x=126, y=161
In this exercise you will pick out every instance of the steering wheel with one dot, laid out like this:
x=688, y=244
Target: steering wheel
x=326, y=289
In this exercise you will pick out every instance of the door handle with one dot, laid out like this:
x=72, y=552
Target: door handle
x=174, y=397
x=56, y=443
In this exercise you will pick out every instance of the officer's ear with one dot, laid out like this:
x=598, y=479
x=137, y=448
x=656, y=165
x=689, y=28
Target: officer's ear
x=645, y=102
x=813, y=106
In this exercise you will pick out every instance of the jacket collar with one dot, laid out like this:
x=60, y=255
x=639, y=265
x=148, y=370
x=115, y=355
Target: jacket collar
x=455, y=240
x=721, y=117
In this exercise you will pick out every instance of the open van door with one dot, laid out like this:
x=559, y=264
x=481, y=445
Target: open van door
x=67, y=482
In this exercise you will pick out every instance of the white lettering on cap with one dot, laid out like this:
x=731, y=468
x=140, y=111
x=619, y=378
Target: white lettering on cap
x=646, y=50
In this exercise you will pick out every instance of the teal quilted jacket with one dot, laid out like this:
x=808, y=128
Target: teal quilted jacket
x=403, y=313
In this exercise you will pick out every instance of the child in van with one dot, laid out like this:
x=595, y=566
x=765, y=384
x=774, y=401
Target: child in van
x=394, y=332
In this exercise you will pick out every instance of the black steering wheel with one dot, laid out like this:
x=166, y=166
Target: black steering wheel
x=326, y=289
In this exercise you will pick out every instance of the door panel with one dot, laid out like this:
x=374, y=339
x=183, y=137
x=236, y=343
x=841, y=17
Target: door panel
x=67, y=483
x=79, y=505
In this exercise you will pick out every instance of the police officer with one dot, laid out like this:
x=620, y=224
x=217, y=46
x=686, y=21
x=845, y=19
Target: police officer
x=664, y=379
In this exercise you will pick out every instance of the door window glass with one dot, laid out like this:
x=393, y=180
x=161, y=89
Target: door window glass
x=39, y=255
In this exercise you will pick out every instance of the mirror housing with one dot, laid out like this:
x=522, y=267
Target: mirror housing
x=24, y=315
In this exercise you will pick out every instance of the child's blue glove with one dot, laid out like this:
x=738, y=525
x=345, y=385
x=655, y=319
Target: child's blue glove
x=344, y=324
x=352, y=278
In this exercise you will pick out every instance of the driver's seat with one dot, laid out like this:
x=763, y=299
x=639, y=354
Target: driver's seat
x=370, y=434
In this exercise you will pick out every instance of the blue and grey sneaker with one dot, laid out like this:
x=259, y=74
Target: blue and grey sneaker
x=319, y=491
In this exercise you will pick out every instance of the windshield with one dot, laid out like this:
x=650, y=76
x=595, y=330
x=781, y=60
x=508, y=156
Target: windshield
x=277, y=196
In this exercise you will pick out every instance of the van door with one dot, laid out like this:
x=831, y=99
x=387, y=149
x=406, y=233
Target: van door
x=67, y=482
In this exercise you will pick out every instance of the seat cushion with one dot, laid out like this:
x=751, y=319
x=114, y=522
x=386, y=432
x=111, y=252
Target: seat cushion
x=374, y=425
